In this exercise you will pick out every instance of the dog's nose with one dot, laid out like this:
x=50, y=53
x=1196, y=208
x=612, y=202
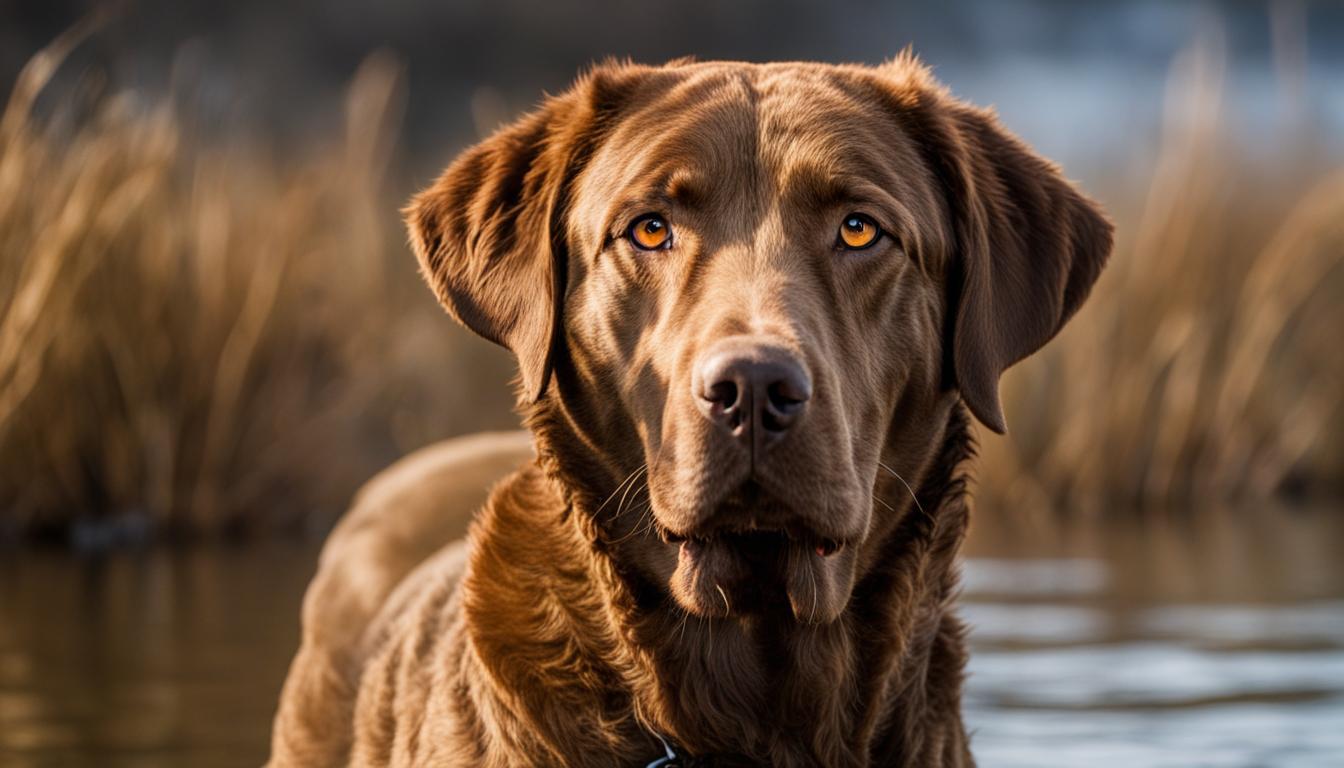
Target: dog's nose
x=755, y=391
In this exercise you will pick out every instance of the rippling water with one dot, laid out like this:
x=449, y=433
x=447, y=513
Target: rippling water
x=1207, y=641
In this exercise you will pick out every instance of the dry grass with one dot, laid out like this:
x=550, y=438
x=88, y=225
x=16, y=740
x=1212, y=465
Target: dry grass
x=1206, y=367
x=204, y=333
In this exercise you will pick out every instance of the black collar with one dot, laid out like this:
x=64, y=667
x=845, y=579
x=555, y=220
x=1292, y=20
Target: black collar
x=674, y=757
x=670, y=757
x=678, y=758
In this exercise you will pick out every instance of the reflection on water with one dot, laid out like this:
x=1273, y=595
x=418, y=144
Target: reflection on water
x=1213, y=642
x=163, y=658
x=1208, y=642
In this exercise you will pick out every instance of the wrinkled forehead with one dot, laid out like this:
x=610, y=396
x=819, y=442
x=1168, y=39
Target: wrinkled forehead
x=743, y=140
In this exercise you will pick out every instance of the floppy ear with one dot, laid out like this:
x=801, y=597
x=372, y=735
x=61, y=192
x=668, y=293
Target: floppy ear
x=1031, y=246
x=1028, y=244
x=489, y=232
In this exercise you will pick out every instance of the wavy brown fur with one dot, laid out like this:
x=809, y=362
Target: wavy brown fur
x=883, y=681
x=538, y=650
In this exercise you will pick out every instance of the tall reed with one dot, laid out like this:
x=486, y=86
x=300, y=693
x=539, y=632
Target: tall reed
x=203, y=332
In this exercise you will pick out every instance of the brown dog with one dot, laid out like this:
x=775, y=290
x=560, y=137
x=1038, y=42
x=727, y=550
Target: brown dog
x=747, y=302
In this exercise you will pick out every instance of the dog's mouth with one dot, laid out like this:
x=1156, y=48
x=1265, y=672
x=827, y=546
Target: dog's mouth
x=733, y=571
x=753, y=543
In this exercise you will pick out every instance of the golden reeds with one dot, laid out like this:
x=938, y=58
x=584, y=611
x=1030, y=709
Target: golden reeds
x=195, y=331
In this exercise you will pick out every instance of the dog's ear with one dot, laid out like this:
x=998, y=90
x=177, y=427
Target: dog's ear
x=489, y=232
x=1031, y=246
x=1027, y=244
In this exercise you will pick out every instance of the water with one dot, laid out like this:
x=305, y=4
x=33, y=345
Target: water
x=1212, y=641
x=162, y=658
x=1216, y=641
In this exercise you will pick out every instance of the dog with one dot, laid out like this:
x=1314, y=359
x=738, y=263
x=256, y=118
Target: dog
x=755, y=308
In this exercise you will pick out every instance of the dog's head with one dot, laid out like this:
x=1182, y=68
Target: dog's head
x=759, y=290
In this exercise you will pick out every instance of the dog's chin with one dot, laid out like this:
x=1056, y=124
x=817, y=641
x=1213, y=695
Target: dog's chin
x=760, y=571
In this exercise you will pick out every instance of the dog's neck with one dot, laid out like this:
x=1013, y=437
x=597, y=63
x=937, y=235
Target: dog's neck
x=589, y=650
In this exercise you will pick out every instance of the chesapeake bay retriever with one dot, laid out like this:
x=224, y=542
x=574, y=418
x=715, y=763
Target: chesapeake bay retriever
x=751, y=305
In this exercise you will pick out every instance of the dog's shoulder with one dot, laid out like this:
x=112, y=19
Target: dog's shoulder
x=398, y=520
x=403, y=530
x=434, y=633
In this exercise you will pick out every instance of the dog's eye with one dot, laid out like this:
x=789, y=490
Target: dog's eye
x=857, y=232
x=650, y=232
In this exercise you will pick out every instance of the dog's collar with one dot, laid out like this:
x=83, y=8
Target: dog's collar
x=669, y=758
x=672, y=758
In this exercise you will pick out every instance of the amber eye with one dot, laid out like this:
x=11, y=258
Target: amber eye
x=651, y=232
x=857, y=232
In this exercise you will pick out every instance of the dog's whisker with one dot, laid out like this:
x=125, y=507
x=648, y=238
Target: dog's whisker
x=645, y=510
x=642, y=527
x=908, y=489
x=607, y=501
x=812, y=579
x=708, y=624
x=685, y=619
x=621, y=506
x=645, y=524
x=627, y=479
x=727, y=607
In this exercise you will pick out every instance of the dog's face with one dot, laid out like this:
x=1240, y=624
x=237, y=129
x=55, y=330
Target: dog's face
x=760, y=289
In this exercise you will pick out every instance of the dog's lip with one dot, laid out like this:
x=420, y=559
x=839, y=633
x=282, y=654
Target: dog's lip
x=823, y=546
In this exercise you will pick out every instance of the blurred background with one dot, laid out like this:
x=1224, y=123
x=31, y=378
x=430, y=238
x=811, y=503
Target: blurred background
x=211, y=332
